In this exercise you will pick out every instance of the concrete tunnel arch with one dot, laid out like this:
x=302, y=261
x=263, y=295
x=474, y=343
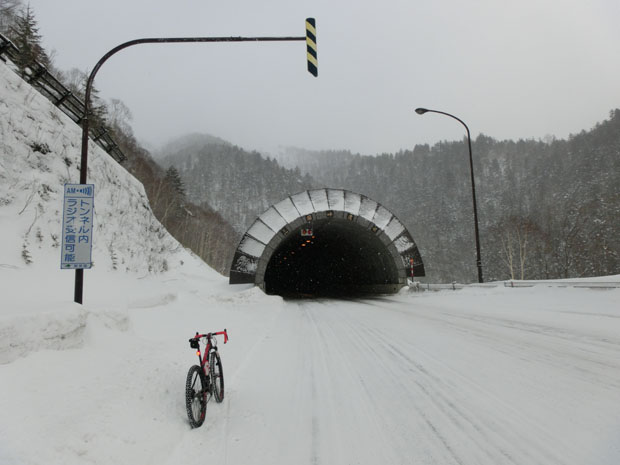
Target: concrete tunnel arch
x=326, y=242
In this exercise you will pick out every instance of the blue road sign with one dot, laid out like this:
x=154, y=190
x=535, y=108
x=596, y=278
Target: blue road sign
x=77, y=226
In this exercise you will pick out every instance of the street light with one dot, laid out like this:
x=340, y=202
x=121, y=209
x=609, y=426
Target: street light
x=421, y=111
x=310, y=39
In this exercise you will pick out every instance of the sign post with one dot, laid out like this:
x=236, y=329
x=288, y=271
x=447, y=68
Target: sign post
x=77, y=232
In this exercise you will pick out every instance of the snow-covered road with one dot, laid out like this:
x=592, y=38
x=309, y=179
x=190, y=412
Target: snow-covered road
x=392, y=380
x=476, y=376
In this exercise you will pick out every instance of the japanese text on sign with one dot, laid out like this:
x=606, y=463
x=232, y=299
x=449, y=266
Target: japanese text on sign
x=77, y=226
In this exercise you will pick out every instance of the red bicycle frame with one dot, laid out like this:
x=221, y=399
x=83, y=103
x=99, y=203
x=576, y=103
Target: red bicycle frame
x=194, y=343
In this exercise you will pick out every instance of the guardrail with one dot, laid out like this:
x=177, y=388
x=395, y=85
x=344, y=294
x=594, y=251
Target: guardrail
x=41, y=79
x=416, y=286
x=588, y=284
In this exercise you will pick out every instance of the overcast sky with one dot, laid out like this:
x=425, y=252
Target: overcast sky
x=509, y=69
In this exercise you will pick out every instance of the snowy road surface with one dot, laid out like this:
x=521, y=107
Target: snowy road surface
x=381, y=382
x=477, y=376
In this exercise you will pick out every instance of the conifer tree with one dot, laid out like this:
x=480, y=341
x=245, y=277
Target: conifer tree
x=25, y=35
x=174, y=178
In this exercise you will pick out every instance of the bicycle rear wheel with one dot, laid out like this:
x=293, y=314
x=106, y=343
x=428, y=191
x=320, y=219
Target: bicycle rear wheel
x=216, y=373
x=196, y=396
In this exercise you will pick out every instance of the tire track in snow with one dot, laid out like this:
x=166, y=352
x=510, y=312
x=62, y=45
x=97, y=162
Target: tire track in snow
x=386, y=406
x=408, y=396
x=442, y=397
x=505, y=422
x=314, y=440
x=552, y=344
x=347, y=417
x=438, y=385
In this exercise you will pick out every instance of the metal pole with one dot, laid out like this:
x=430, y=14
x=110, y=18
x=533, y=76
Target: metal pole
x=91, y=78
x=79, y=274
x=421, y=111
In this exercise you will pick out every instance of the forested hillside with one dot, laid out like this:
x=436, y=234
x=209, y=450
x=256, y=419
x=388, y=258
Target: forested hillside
x=198, y=227
x=240, y=185
x=547, y=209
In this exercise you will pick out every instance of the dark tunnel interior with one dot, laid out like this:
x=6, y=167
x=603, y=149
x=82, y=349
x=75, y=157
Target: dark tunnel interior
x=340, y=258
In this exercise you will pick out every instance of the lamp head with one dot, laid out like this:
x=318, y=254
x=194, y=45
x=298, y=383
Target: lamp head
x=421, y=111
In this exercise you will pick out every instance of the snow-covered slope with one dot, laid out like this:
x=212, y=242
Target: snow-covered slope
x=39, y=153
x=479, y=376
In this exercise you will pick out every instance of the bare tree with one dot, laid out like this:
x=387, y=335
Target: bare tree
x=120, y=117
x=75, y=80
x=515, y=233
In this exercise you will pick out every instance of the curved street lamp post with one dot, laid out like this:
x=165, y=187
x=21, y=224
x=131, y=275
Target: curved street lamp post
x=421, y=111
x=310, y=39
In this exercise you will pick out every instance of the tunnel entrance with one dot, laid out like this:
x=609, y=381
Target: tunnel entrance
x=339, y=259
x=326, y=242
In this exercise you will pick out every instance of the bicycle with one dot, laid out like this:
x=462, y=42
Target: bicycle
x=205, y=380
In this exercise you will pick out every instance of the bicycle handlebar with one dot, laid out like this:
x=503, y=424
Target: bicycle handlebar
x=209, y=335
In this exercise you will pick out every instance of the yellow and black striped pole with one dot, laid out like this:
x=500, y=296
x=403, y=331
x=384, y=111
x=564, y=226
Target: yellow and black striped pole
x=313, y=64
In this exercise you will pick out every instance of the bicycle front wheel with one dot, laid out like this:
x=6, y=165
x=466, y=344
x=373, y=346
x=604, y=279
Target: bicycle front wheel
x=196, y=396
x=217, y=376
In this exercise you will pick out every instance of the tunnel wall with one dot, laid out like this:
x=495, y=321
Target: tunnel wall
x=263, y=237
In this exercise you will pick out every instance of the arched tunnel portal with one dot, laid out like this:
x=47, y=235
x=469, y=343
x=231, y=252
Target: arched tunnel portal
x=326, y=242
